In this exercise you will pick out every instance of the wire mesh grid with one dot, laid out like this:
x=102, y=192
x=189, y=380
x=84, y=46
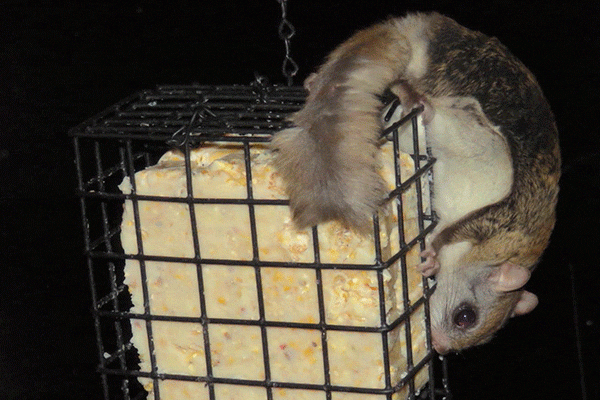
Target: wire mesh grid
x=131, y=136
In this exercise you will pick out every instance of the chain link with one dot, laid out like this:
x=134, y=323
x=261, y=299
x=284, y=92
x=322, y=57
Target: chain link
x=289, y=68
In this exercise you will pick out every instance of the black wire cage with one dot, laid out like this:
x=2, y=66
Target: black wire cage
x=132, y=136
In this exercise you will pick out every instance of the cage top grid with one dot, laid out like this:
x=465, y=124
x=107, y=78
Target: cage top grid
x=248, y=113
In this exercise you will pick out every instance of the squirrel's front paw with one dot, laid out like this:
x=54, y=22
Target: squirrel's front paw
x=430, y=266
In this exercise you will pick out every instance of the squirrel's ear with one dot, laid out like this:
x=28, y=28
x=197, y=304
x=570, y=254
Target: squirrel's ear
x=526, y=303
x=508, y=277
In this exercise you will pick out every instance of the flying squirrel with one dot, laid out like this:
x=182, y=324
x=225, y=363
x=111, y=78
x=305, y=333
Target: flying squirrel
x=492, y=133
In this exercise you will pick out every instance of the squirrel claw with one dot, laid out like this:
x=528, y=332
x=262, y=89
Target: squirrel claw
x=430, y=266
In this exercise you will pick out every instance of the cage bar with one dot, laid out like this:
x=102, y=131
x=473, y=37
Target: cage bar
x=131, y=136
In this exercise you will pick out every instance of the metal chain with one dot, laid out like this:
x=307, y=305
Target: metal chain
x=289, y=67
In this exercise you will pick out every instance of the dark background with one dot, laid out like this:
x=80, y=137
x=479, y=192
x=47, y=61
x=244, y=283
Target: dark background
x=61, y=62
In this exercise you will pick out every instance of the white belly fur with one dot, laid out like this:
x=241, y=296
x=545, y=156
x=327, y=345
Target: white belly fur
x=473, y=167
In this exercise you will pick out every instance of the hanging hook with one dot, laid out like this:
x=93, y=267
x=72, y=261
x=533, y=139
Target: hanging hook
x=286, y=30
x=182, y=135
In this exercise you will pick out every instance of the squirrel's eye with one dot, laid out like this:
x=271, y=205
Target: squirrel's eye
x=465, y=317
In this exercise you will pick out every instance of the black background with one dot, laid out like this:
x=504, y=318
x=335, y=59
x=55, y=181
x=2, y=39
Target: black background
x=61, y=62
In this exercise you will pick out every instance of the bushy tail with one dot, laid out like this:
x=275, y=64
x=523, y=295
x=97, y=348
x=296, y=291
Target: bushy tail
x=328, y=159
